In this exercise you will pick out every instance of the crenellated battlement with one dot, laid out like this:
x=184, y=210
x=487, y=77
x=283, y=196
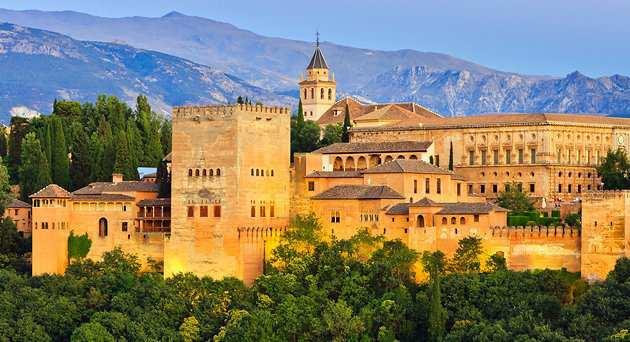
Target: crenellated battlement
x=535, y=232
x=218, y=112
x=600, y=195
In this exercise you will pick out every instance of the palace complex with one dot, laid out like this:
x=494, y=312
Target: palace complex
x=407, y=173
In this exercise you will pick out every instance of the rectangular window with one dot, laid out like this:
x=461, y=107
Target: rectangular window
x=262, y=211
x=495, y=157
x=588, y=157
x=507, y=187
x=569, y=188
x=532, y=187
x=415, y=186
x=520, y=156
x=125, y=226
x=476, y=218
x=482, y=188
x=483, y=157
x=217, y=211
x=579, y=188
x=459, y=189
x=495, y=188
x=471, y=157
x=439, y=186
x=533, y=156
x=519, y=187
x=191, y=211
x=437, y=160
x=311, y=186
x=508, y=157
x=470, y=189
x=559, y=156
x=203, y=211
x=559, y=187
x=427, y=185
x=272, y=211
x=253, y=211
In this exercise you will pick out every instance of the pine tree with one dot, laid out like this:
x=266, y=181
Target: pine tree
x=60, y=166
x=80, y=166
x=34, y=171
x=239, y=100
x=450, y=157
x=345, y=135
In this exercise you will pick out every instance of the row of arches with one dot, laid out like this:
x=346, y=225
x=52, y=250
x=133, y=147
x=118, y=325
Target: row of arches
x=261, y=172
x=362, y=163
x=204, y=172
x=420, y=223
x=322, y=93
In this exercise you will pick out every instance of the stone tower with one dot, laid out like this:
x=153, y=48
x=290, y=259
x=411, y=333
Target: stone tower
x=230, y=189
x=317, y=87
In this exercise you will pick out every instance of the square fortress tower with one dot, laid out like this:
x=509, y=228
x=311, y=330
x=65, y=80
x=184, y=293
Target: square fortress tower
x=230, y=189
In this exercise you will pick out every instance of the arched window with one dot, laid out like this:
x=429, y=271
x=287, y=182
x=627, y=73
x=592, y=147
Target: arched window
x=388, y=159
x=361, y=163
x=329, y=94
x=252, y=172
x=211, y=172
x=453, y=220
x=197, y=172
x=190, y=172
x=218, y=173
x=271, y=172
x=312, y=93
x=102, y=227
x=304, y=93
x=321, y=93
x=420, y=221
x=430, y=159
x=462, y=220
x=350, y=164
x=400, y=157
x=204, y=172
x=338, y=164
x=257, y=172
x=413, y=157
x=444, y=220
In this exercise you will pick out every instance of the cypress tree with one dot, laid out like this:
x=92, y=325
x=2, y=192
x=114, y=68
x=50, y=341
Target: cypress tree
x=434, y=265
x=80, y=165
x=3, y=143
x=166, y=132
x=134, y=141
x=109, y=150
x=345, y=135
x=19, y=128
x=300, y=117
x=450, y=157
x=34, y=171
x=60, y=165
x=97, y=154
x=124, y=162
x=153, y=148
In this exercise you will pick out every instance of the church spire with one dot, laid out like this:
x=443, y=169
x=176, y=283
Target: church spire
x=317, y=61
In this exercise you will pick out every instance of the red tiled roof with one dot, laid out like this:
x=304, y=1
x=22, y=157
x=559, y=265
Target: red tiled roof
x=51, y=191
x=407, y=166
x=125, y=186
x=375, y=147
x=334, y=174
x=163, y=202
x=361, y=192
x=335, y=114
x=102, y=197
x=16, y=203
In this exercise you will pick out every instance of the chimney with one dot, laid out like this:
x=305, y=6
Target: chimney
x=117, y=177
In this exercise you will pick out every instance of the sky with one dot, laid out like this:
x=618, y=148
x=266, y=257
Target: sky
x=542, y=37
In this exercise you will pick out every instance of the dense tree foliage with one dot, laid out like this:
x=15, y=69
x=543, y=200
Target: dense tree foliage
x=316, y=289
x=614, y=170
x=514, y=199
x=306, y=135
x=82, y=143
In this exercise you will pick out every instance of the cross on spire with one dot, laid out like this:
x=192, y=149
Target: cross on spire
x=317, y=39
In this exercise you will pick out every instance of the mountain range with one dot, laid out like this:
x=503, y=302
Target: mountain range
x=269, y=68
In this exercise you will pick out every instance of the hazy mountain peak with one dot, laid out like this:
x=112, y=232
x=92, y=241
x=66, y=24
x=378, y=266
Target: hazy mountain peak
x=173, y=14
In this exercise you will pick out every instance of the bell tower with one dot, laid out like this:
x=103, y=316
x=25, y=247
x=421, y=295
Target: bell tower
x=318, y=89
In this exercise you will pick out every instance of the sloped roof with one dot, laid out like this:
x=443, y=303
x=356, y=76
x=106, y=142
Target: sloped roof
x=16, y=203
x=398, y=209
x=124, y=186
x=469, y=208
x=388, y=112
x=155, y=202
x=361, y=192
x=334, y=174
x=409, y=110
x=375, y=147
x=103, y=197
x=51, y=191
x=407, y=166
x=425, y=202
x=317, y=61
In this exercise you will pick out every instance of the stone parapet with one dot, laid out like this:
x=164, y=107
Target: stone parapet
x=533, y=232
x=218, y=112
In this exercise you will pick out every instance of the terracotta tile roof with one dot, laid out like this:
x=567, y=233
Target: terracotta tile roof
x=388, y=112
x=102, y=197
x=376, y=147
x=125, y=186
x=508, y=119
x=361, y=192
x=164, y=202
x=16, y=203
x=457, y=176
x=425, y=202
x=335, y=174
x=398, y=209
x=407, y=166
x=336, y=112
x=51, y=191
x=469, y=208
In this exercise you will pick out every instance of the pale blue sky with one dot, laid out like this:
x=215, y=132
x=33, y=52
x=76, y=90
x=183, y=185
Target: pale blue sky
x=551, y=37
